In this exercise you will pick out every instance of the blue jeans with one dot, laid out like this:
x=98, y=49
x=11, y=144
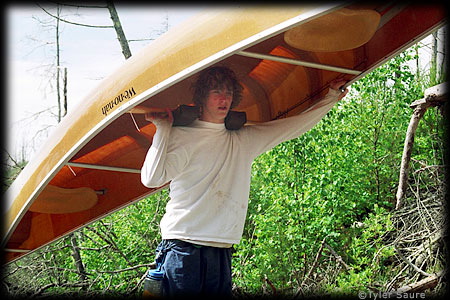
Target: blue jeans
x=194, y=270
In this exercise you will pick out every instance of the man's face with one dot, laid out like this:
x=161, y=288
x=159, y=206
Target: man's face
x=217, y=105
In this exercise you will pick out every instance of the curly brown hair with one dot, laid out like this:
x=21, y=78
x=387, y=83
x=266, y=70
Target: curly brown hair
x=217, y=78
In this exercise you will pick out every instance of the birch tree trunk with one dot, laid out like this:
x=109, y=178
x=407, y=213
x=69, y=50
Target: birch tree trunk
x=57, y=64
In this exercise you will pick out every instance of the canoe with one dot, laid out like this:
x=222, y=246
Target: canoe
x=284, y=57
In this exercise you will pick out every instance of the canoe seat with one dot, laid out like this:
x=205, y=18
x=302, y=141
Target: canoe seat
x=57, y=200
x=340, y=30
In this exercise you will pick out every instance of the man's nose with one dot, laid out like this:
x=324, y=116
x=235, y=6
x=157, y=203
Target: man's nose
x=223, y=97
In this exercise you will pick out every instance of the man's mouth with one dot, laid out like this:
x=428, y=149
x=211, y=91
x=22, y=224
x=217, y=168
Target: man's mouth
x=224, y=108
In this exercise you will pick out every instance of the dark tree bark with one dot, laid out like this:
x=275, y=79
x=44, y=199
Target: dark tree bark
x=119, y=31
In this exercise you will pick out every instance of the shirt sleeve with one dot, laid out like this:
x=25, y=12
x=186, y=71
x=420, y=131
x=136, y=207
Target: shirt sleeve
x=160, y=165
x=265, y=136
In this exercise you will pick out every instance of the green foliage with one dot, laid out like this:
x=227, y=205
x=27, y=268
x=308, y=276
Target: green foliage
x=366, y=253
x=342, y=172
x=11, y=173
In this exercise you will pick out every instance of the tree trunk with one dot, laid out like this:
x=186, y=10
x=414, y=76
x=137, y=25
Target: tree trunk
x=418, y=113
x=77, y=258
x=119, y=31
x=65, y=92
x=434, y=57
x=433, y=96
x=57, y=64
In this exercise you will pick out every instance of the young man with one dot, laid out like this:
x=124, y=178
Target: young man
x=209, y=168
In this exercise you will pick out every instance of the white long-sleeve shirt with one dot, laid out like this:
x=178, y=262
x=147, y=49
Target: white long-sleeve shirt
x=209, y=169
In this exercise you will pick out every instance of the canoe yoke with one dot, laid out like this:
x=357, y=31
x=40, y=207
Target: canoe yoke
x=184, y=115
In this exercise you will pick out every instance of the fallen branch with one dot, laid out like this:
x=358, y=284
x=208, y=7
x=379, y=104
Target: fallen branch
x=313, y=267
x=272, y=287
x=416, y=268
x=141, y=280
x=430, y=245
x=150, y=265
x=422, y=285
x=65, y=285
x=316, y=260
x=338, y=257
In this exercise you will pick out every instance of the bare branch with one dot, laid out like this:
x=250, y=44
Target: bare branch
x=150, y=265
x=16, y=164
x=338, y=257
x=78, y=5
x=417, y=269
x=74, y=23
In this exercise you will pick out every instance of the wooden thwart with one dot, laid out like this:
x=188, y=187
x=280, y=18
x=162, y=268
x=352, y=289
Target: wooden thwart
x=297, y=62
x=103, y=167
